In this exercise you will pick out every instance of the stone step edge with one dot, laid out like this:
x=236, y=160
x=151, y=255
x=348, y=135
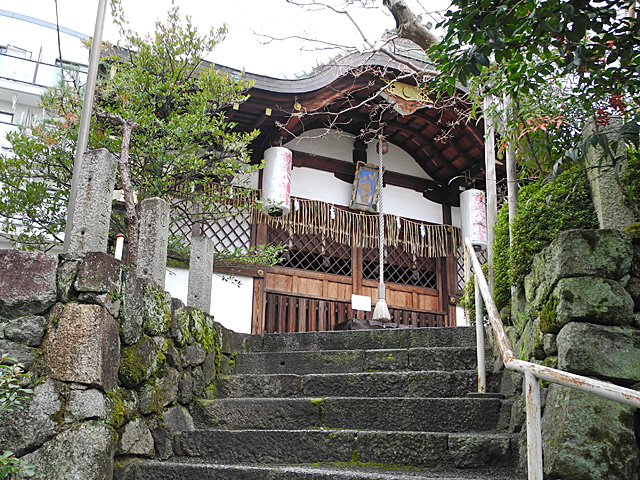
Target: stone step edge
x=355, y=432
x=348, y=470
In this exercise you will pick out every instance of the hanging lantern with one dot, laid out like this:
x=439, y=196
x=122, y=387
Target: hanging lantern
x=276, y=181
x=473, y=211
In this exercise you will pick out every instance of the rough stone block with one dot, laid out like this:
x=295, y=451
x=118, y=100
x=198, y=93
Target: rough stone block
x=174, y=420
x=106, y=300
x=597, y=253
x=585, y=437
x=154, y=239
x=610, y=353
x=99, y=273
x=179, y=323
x=92, y=216
x=586, y=299
x=27, y=283
x=139, y=362
x=156, y=310
x=159, y=392
x=200, y=273
x=86, y=404
x=633, y=288
x=26, y=330
x=17, y=352
x=83, y=346
x=136, y=439
x=67, y=271
x=132, y=311
x=85, y=452
x=33, y=426
x=185, y=388
x=193, y=355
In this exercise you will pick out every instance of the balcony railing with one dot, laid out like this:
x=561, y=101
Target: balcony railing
x=33, y=72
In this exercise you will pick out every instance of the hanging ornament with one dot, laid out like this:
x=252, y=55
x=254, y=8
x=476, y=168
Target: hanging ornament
x=398, y=224
x=276, y=181
x=296, y=204
x=423, y=231
x=332, y=212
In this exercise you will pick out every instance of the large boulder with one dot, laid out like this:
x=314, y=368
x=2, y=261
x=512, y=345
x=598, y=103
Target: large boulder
x=83, y=346
x=606, y=352
x=84, y=452
x=585, y=437
x=27, y=283
x=586, y=299
x=593, y=253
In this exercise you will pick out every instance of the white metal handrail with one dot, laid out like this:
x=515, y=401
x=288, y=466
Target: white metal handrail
x=534, y=372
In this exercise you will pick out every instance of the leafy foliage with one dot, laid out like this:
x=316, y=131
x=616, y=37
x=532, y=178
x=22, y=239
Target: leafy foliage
x=501, y=259
x=545, y=208
x=530, y=41
x=12, y=396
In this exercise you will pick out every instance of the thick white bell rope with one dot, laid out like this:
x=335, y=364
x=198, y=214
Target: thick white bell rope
x=381, y=311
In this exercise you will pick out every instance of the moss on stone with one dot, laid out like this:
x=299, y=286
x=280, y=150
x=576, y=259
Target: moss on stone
x=118, y=410
x=548, y=315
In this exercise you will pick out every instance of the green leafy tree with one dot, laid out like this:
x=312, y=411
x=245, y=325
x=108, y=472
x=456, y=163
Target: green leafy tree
x=165, y=106
x=160, y=108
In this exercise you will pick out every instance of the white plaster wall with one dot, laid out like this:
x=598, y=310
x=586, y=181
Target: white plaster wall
x=324, y=186
x=340, y=146
x=230, y=304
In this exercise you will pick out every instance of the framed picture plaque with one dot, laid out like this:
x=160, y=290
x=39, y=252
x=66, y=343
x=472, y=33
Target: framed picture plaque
x=364, y=195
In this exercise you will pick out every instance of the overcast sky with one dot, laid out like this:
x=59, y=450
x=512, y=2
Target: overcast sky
x=244, y=46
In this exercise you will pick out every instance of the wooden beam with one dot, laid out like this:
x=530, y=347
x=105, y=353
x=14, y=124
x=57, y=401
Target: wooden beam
x=346, y=171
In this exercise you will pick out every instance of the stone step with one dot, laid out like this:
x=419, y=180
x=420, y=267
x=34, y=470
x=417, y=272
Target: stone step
x=369, y=384
x=410, y=414
x=180, y=470
x=362, y=340
x=415, y=449
x=341, y=361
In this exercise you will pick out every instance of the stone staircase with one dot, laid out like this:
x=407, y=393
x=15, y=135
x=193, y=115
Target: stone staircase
x=386, y=404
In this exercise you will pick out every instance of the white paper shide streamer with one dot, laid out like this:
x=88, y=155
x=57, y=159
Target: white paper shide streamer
x=276, y=181
x=473, y=211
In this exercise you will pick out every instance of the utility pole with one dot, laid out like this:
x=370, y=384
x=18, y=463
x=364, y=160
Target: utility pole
x=85, y=117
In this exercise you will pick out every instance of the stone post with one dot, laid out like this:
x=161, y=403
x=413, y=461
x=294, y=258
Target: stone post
x=607, y=198
x=200, y=273
x=154, y=239
x=92, y=215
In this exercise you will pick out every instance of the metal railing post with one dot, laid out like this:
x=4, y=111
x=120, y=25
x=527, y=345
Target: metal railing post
x=482, y=375
x=534, y=427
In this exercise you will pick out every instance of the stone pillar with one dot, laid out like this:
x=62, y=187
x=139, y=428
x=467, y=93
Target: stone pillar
x=154, y=239
x=200, y=273
x=607, y=198
x=92, y=215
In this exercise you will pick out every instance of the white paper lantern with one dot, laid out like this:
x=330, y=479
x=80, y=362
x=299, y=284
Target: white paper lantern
x=276, y=181
x=473, y=211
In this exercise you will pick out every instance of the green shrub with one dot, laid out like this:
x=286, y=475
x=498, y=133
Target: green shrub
x=12, y=396
x=544, y=210
x=501, y=255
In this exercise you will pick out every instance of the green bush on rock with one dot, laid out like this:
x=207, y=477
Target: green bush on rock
x=544, y=210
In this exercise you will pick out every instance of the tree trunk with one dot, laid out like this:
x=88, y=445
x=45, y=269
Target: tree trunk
x=408, y=26
x=130, y=216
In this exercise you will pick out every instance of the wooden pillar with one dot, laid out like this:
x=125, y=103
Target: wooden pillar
x=449, y=282
x=258, y=316
x=490, y=164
